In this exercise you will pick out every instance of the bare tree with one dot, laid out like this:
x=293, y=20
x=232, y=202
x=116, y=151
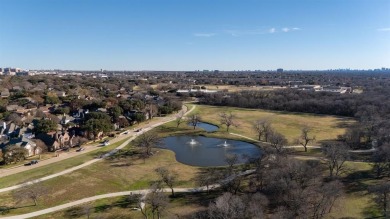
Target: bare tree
x=168, y=177
x=336, y=154
x=277, y=141
x=30, y=191
x=230, y=206
x=227, y=206
x=180, y=118
x=381, y=160
x=228, y=119
x=231, y=160
x=305, y=139
x=14, y=154
x=382, y=196
x=194, y=120
x=88, y=209
x=40, y=144
x=267, y=129
x=157, y=201
x=261, y=126
x=151, y=109
x=147, y=141
x=207, y=177
x=324, y=197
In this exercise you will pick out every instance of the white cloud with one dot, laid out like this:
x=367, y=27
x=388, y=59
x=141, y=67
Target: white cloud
x=260, y=31
x=287, y=29
x=384, y=29
x=204, y=34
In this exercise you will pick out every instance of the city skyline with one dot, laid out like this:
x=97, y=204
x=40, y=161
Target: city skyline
x=195, y=35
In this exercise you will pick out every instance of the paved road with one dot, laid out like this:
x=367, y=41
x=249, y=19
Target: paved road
x=150, y=126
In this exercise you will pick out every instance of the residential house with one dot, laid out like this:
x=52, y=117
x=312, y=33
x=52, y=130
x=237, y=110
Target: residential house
x=3, y=126
x=12, y=108
x=196, y=90
x=60, y=93
x=65, y=119
x=9, y=128
x=55, y=140
x=309, y=87
x=27, y=144
x=80, y=114
x=5, y=93
x=22, y=138
x=337, y=89
x=102, y=110
x=45, y=109
x=17, y=88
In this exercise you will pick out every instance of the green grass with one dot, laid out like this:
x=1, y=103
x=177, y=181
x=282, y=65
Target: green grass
x=54, y=167
x=171, y=129
x=324, y=127
x=105, y=177
x=116, y=175
x=183, y=204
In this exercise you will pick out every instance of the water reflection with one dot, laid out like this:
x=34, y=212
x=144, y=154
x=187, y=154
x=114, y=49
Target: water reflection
x=206, y=126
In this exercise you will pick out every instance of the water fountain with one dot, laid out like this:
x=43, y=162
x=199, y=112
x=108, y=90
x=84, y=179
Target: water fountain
x=225, y=144
x=192, y=142
x=207, y=151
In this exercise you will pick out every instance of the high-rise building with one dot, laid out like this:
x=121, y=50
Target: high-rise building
x=279, y=70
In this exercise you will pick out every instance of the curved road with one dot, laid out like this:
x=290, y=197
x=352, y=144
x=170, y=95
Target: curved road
x=94, y=160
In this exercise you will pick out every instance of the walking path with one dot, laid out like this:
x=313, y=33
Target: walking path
x=94, y=198
x=143, y=192
x=300, y=146
x=168, y=119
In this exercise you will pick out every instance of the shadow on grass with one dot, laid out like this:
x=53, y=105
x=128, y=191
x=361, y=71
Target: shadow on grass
x=372, y=211
x=200, y=198
x=356, y=181
x=122, y=154
x=126, y=202
x=5, y=209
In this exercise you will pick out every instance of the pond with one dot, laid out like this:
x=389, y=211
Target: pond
x=208, y=152
x=206, y=126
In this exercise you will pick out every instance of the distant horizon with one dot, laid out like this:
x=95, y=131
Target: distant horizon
x=176, y=35
x=201, y=70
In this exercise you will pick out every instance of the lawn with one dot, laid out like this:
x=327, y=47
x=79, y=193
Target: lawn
x=54, y=167
x=105, y=177
x=324, y=127
x=132, y=173
x=357, y=202
x=184, y=204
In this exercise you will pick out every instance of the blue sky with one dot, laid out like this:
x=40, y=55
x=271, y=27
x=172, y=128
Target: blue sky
x=194, y=34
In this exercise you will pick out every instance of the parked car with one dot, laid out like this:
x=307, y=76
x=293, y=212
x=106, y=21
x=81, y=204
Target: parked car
x=80, y=149
x=138, y=130
x=31, y=163
x=106, y=142
x=125, y=133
